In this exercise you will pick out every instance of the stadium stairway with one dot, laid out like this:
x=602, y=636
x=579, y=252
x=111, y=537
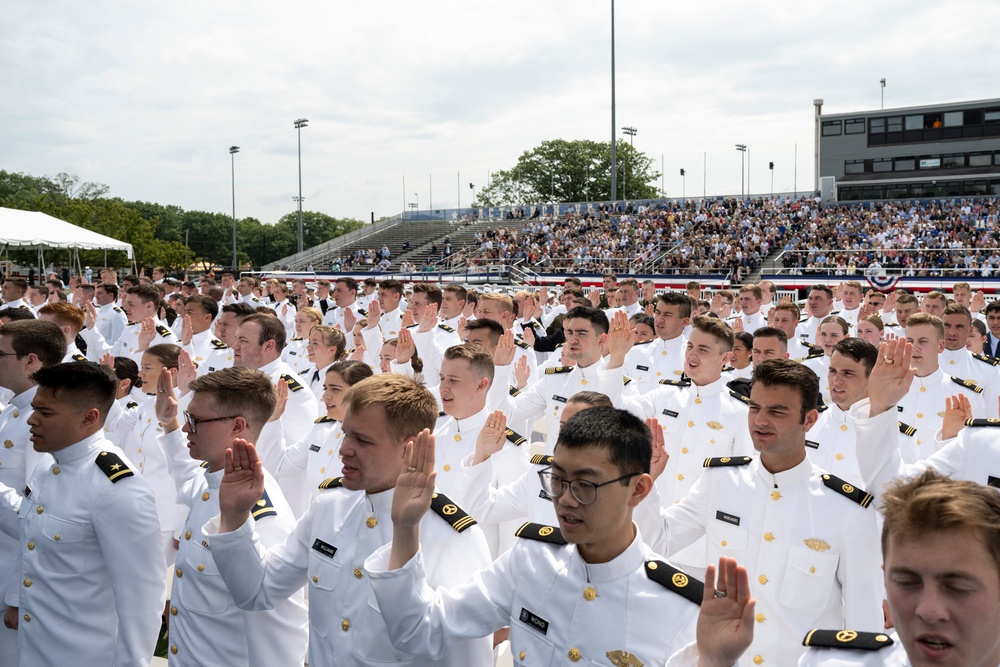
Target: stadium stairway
x=417, y=232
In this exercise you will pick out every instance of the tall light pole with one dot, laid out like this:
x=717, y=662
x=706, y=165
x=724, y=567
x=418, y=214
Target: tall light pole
x=882, y=81
x=233, y=150
x=299, y=124
x=742, y=148
x=630, y=131
x=614, y=139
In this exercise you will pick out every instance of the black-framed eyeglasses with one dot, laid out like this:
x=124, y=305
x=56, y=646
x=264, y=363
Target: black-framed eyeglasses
x=10, y=354
x=585, y=492
x=192, y=422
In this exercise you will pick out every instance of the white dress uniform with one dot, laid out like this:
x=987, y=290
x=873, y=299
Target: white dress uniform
x=390, y=323
x=809, y=541
x=807, y=329
x=974, y=455
x=633, y=610
x=111, y=321
x=850, y=316
x=549, y=395
x=648, y=363
x=832, y=444
x=923, y=409
x=302, y=408
x=981, y=369
x=206, y=626
x=210, y=353
x=17, y=462
x=750, y=322
x=296, y=355
x=316, y=377
x=456, y=443
x=91, y=567
x=698, y=422
x=820, y=365
x=128, y=344
x=252, y=301
x=798, y=350
x=327, y=549
x=848, y=648
x=285, y=311
x=304, y=464
x=432, y=345
x=334, y=316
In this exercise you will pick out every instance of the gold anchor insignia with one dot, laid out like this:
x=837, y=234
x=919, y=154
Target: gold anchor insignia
x=623, y=659
x=449, y=509
x=848, y=488
x=816, y=545
x=715, y=425
x=846, y=636
x=679, y=580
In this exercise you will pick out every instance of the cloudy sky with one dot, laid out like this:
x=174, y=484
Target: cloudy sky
x=147, y=97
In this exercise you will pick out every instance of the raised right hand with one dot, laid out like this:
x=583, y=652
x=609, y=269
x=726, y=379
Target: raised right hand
x=242, y=485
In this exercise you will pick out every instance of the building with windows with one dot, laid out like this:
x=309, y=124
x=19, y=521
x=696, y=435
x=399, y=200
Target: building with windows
x=943, y=150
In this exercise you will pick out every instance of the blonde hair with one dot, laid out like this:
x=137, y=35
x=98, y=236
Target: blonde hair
x=408, y=406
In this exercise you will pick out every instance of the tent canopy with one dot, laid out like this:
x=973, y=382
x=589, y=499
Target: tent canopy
x=31, y=229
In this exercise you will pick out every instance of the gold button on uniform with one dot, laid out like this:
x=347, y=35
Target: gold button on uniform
x=923, y=389
x=458, y=437
x=520, y=656
x=8, y=444
x=724, y=543
x=201, y=568
x=690, y=424
x=759, y=618
x=40, y=509
x=55, y=470
x=315, y=579
x=345, y=625
x=56, y=537
x=27, y=618
x=775, y=495
x=684, y=450
x=762, y=579
x=173, y=649
x=27, y=583
x=205, y=496
x=574, y=654
x=187, y=535
x=757, y=660
x=839, y=457
x=680, y=477
x=768, y=537
x=323, y=469
x=179, y=572
x=589, y=594
x=371, y=522
x=447, y=467
x=357, y=573
x=173, y=611
x=31, y=546
x=697, y=401
x=843, y=427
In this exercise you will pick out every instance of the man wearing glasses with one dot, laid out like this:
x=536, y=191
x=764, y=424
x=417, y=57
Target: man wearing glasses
x=589, y=590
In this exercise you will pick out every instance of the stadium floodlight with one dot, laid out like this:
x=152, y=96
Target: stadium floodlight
x=299, y=124
x=882, y=81
x=742, y=148
x=233, y=150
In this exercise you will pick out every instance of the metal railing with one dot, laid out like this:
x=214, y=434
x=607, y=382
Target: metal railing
x=796, y=262
x=324, y=249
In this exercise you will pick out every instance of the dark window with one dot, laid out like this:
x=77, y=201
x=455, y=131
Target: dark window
x=973, y=117
x=854, y=167
x=876, y=125
x=953, y=160
x=853, y=194
x=854, y=126
x=992, y=116
x=974, y=188
x=896, y=191
x=953, y=188
x=871, y=192
x=831, y=128
x=980, y=159
x=904, y=164
x=895, y=123
x=882, y=164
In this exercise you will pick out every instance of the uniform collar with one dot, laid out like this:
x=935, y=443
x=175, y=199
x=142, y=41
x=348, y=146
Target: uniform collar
x=381, y=501
x=214, y=479
x=935, y=377
x=23, y=400
x=624, y=564
x=202, y=337
x=79, y=450
x=711, y=388
x=476, y=421
x=786, y=478
x=272, y=367
x=672, y=344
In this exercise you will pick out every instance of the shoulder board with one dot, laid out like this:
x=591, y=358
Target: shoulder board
x=296, y=337
x=414, y=326
x=558, y=369
x=815, y=353
x=131, y=404
x=513, y=391
x=906, y=429
x=676, y=383
x=626, y=379
x=447, y=328
x=643, y=342
x=79, y=357
x=860, y=496
x=722, y=461
x=324, y=420
x=986, y=359
x=542, y=460
x=112, y=466
x=521, y=344
x=558, y=345
x=293, y=384
x=332, y=483
x=219, y=345
x=163, y=331
x=728, y=368
x=362, y=313
x=542, y=533
x=263, y=508
x=982, y=422
x=204, y=464
x=812, y=346
x=117, y=309
x=822, y=408
x=442, y=414
x=835, y=312
x=674, y=580
x=516, y=439
x=968, y=384
x=804, y=319
x=738, y=395
x=865, y=641
x=456, y=517
x=130, y=324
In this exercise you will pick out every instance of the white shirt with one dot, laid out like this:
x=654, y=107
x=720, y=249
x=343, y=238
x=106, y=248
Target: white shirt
x=648, y=363
x=832, y=444
x=111, y=321
x=923, y=408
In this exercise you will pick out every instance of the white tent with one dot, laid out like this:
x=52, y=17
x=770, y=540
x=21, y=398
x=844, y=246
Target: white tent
x=31, y=229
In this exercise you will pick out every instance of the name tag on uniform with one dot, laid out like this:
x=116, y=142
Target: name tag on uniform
x=313, y=448
x=671, y=413
x=728, y=518
x=537, y=622
x=327, y=550
x=27, y=490
x=813, y=445
x=990, y=481
x=899, y=408
x=556, y=397
x=544, y=496
x=642, y=368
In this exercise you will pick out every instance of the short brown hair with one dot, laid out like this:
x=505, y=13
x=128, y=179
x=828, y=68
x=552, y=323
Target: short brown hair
x=876, y=320
x=167, y=354
x=65, y=314
x=592, y=399
x=917, y=319
x=271, y=328
x=479, y=358
x=432, y=291
x=146, y=293
x=409, y=407
x=790, y=307
x=906, y=297
x=757, y=292
x=957, y=309
x=937, y=296
x=503, y=302
x=717, y=329
x=788, y=373
x=43, y=339
x=834, y=319
x=240, y=390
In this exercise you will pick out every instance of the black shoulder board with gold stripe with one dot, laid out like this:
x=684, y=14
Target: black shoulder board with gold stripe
x=521, y=344
x=458, y=518
x=542, y=460
x=324, y=420
x=117, y=309
x=558, y=369
x=728, y=368
x=162, y=330
x=982, y=422
x=442, y=414
x=332, y=483
x=865, y=641
x=446, y=328
x=204, y=464
x=112, y=466
x=860, y=496
x=293, y=384
x=968, y=384
x=513, y=391
x=626, y=379
x=674, y=580
x=79, y=357
x=131, y=404
x=736, y=394
x=263, y=508
x=362, y=312
x=518, y=440
x=722, y=461
x=906, y=429
x=296, y=338
x=542, y=533
x=676, y=383
x=816, y=353
x=986, y=359
x=643, y=342
x=822, y=408
x=219, y=345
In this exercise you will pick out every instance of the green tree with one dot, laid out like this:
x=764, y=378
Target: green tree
x=571, y=171
x=316, y=228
